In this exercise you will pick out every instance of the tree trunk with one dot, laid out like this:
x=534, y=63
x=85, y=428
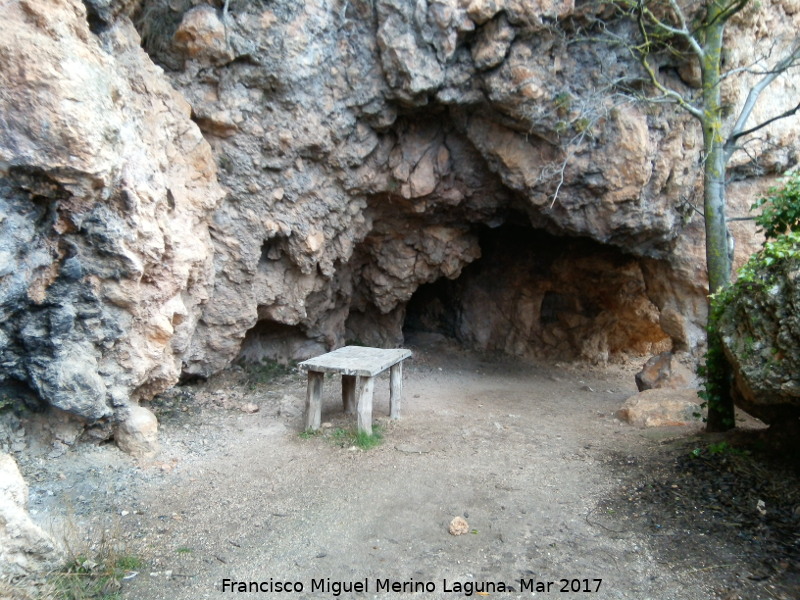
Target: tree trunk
x=718, y=261
x=718, y=258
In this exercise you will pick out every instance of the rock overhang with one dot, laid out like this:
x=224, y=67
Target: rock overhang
x=350, y=180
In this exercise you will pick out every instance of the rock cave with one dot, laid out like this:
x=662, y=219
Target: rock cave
x=191, y=185
x=536, y=295
x=525, y=293
x=440, y=222
x=268, y=180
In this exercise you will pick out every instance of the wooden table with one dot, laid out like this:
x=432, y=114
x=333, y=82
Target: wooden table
x=359, y=366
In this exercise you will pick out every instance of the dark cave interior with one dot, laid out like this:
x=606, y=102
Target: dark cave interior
x=535, y=294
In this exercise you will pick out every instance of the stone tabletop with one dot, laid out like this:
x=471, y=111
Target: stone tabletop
x=356, y=360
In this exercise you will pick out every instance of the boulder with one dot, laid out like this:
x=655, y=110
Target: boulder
x=663, y=371
x=661, y=407
x=760, y=330
x=25, y=549
x=138, y=433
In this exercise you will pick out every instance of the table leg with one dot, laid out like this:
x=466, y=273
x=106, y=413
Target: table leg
x=314, y=400
x=349, y=393
x=365, y=405
x=395, y=390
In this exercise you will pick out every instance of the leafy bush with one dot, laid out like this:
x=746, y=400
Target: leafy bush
x=780, y=222
x=780, y=212
x=774, y=252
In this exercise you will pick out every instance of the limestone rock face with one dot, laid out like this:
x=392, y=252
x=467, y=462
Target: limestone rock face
x=105, y=190
x=761, y=338
x=347, y=162
x=25, y=549
x=294, y=173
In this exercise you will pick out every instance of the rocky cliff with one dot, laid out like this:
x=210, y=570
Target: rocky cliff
x=107, y=188
x=188, y=183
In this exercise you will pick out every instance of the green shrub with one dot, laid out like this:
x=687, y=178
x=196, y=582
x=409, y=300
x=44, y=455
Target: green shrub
x=780, y=209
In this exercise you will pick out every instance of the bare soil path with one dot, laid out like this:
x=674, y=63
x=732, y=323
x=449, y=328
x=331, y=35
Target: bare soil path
x=531, y=456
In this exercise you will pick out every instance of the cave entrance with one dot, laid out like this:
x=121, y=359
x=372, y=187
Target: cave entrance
x=271, y=341
x=538, y=295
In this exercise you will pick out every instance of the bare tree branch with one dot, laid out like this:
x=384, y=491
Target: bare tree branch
x=750, y=67
x=683, y=31
x=589, y=114
x=642, y=52
x=668, y=26
x=783, y=115
x=780, y=67
x=668, y=94
x=727, y=12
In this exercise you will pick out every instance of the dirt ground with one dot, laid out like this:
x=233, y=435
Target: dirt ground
x=562, y=499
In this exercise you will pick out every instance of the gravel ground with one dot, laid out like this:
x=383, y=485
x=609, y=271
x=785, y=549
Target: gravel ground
x=562, y=499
